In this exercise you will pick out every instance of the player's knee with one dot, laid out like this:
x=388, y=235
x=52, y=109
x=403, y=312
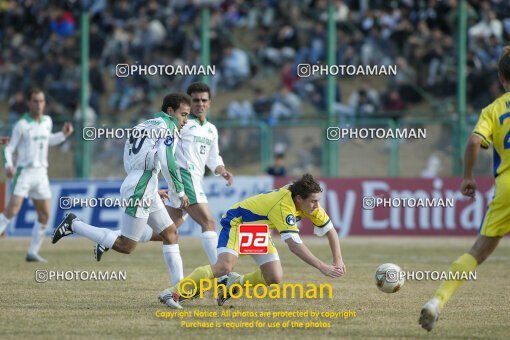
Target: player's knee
x=170, y=235
x=274, y=279
x=221, y=269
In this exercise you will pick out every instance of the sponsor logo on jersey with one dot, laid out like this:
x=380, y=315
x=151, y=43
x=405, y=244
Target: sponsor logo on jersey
x=152, y=122
x=290, y=219
x=203, y=140
x=36, y=138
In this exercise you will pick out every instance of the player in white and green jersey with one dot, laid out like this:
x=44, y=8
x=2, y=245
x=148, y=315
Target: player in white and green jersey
x=197, y=149
x=30, y=139
x=150, y=149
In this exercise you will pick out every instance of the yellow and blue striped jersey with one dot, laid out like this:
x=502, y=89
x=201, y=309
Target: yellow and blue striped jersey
x=276, y=209
x=493, y=127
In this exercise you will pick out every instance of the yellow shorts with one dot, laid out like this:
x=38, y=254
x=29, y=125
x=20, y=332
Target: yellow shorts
x=228, y=240
x=496, y=221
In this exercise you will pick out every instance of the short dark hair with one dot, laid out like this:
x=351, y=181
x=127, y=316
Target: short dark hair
x=504, y=64
x=174, y=100
x=33, y=90
x=305, y=186
x=199, y=87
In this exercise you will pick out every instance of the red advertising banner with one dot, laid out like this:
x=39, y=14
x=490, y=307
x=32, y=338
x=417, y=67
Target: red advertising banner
x=412, y=206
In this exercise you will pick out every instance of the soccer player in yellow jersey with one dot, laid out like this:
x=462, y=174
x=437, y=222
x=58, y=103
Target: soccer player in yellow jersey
x=493, y=127
x=280, y=210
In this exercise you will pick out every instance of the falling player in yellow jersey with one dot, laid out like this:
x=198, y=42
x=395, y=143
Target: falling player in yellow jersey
x=493, y=127
x=279, y=209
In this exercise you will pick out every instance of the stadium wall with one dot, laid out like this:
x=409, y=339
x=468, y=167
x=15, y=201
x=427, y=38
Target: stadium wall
x=342, y=198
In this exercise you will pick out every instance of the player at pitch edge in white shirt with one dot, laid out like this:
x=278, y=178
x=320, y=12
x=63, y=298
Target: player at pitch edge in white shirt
x=144, y=156
x=197, y=149
x=30, y=138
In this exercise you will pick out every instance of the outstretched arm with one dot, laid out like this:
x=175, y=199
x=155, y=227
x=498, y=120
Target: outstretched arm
x=59, y=137
x=302, y=251
x=334, y=244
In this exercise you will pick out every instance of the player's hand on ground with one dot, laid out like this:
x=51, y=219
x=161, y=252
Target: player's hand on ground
x=339, y=263
x=9, y=172
x=163, y=194
x=228, y=177
x=331, y=271
x=67, y=129
x=468, y=187
x=184, y=201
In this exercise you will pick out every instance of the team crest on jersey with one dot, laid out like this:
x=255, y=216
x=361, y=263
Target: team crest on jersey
x=210, y=130
x=290, y=219
x=169, y=140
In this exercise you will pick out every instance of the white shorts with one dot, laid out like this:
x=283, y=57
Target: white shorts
x=142, y=187
x=133, y=227
x=259, y=259
x=193, y=187
x=31, y=182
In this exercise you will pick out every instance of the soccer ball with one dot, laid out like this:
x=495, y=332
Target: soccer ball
x=388, y=278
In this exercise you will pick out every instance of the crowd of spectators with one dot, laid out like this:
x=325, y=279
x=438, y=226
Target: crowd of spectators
x=40, y=45
x=40, y=42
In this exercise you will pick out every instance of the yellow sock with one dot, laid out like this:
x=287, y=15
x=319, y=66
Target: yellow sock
x=254, y=278
x=204, y=272
x=464, y=264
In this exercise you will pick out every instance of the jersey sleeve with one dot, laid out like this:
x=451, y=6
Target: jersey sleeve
x=13, y=143
x=56, y=138
x=485, y=127
x=167, y=162
x=321, y=221
x=214, y=159
x=283, y=219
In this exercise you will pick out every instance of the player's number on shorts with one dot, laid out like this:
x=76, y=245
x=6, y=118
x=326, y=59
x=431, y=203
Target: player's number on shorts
x=136, y=144
x=506, y=142
x=202, y=149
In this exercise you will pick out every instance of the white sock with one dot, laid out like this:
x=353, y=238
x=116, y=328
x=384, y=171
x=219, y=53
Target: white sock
x=173, y=261
x=38, y=232
x=4, y=221
x=209, y=243
x=147, y=234
x=103, y=236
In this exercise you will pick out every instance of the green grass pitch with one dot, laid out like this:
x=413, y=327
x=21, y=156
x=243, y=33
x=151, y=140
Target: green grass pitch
x=126, y=309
